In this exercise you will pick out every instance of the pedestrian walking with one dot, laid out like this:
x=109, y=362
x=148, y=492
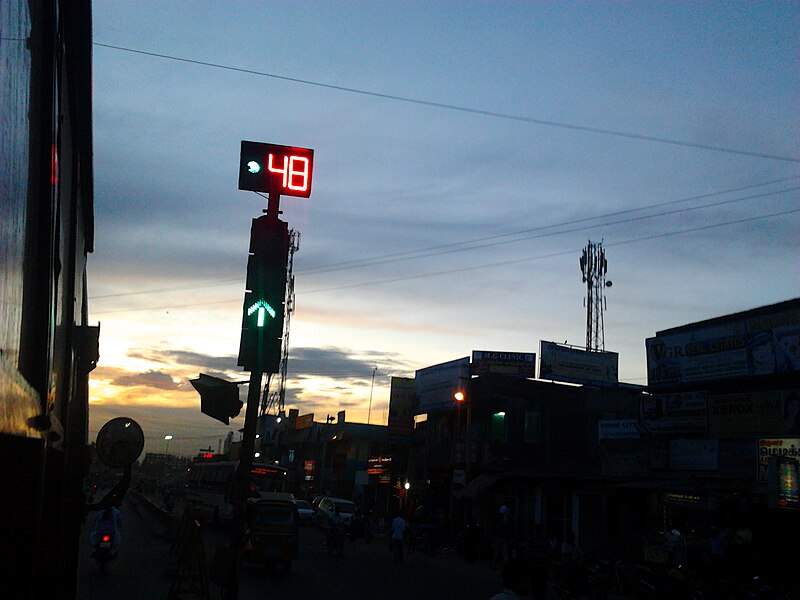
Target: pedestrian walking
x=398, y=534
x=502, y=535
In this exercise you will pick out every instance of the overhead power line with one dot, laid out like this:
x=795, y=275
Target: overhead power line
x=463, y=109
x=482, y=266
x=530, y=233
x=552, y=255
x=474, y=243
x=370, y=261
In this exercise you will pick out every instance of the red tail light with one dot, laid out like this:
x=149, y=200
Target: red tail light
x=106, y=538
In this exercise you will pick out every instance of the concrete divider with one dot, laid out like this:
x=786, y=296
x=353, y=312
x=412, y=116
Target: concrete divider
x=160, y=522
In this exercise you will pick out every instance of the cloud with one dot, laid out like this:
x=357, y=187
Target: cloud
x=153, y=379
x=340, y=363
x=220, y=364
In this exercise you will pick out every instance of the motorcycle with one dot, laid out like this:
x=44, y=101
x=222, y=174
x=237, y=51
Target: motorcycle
x=104, y=550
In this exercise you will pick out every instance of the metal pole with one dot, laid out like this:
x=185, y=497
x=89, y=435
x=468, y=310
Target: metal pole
x=242, y=480
x=369, y=412
x=467, y=444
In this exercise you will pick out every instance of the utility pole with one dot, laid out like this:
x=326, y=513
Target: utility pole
x=593, y=269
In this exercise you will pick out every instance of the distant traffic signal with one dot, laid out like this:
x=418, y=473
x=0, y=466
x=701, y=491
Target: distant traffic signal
x=219, y=398
x=272, y=168
x=260, y=347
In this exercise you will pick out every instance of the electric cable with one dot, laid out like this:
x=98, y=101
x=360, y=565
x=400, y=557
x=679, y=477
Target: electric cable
x=454, y=246
x=378, y=259
x=463, y=109
x=477, y=267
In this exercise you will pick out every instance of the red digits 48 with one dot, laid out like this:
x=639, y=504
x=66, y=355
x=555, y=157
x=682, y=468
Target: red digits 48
x=294, y=167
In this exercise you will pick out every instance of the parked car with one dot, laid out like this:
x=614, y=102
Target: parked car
x=305, y=511
x=329, y=508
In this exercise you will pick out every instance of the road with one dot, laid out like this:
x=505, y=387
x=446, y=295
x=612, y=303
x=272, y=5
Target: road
x=146, y=566
x=140, y=571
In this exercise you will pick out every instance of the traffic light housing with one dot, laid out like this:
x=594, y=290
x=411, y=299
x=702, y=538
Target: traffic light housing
x=219, y=398
x=260, y=347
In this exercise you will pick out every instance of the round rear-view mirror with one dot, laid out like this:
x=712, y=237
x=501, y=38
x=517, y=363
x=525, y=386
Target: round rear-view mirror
x=120, y=442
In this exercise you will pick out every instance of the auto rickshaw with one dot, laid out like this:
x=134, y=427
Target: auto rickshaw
x=272, y=523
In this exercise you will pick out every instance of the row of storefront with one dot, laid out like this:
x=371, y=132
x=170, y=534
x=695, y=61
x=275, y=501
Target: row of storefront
x=710, y=443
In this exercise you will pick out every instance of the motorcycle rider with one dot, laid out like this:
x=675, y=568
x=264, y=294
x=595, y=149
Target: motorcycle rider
x=107, y=521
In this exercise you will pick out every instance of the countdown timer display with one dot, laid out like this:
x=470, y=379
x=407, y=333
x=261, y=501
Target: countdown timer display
x=272, y=168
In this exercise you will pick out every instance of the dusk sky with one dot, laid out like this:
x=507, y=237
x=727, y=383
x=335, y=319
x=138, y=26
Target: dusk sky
x=465, y=153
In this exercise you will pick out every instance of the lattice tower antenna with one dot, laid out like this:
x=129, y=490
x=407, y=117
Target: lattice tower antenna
x=274, y=397
x=593, y=269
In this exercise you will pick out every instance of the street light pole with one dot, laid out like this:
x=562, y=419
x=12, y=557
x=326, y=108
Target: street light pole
x=369, y=412
x=167, y=438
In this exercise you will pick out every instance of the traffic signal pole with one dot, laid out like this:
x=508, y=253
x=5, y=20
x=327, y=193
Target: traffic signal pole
x=276, y=170
x=247, y=450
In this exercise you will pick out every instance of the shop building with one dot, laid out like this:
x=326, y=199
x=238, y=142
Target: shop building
x=723, y=397
x=511, y=440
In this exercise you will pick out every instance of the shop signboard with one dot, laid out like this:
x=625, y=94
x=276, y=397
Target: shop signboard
x=379, y=465
x=745, y=414
x=434, y=386
x=725, y=349
x=560, y=362
x=784, y=447
x=617, y=429
x=674, y=413
x=690, y=499
x=514, y=364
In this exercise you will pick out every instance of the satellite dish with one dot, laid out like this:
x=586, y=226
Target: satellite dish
x=120, y=442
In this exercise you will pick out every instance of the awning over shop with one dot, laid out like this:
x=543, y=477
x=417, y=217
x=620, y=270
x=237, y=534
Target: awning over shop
x=478, y=485
x=486, y=480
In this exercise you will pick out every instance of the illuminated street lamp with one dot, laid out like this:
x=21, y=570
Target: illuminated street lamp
x=167, y=438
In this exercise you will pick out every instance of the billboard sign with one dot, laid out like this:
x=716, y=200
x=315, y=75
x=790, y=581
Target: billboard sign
x=575, y=365
x=304, y=421
x=735, y=348
x=401, y=410
x=434, y=386
x=516, y=364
